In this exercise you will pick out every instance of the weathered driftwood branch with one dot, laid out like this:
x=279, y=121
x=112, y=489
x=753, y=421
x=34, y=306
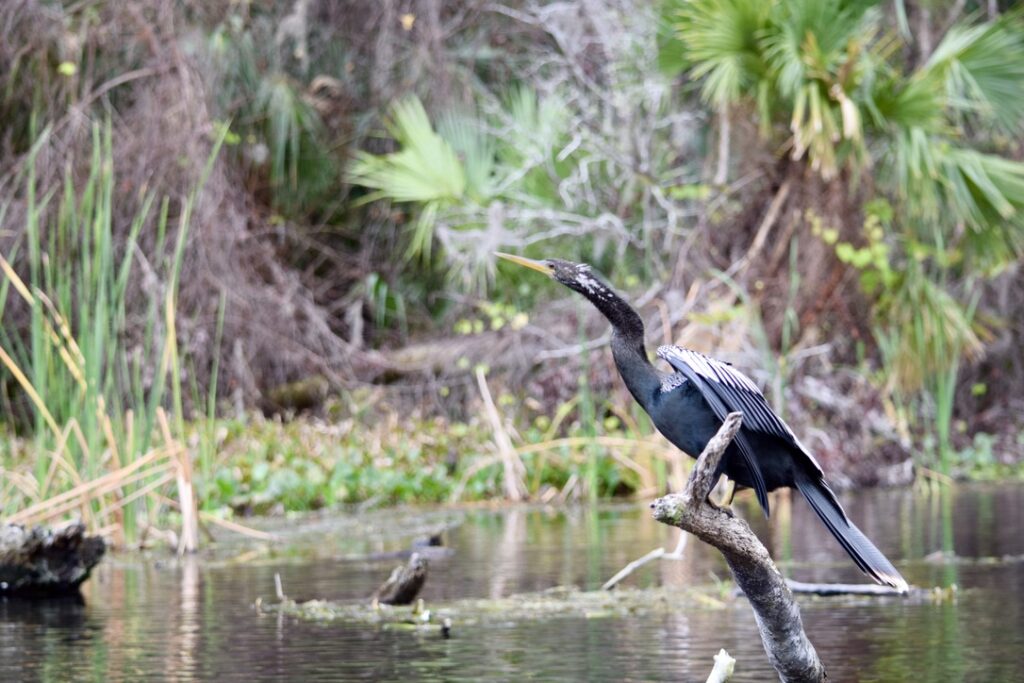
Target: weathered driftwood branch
x=777, y=615
x=655, y=554
x=404, y=584
x=42, y=562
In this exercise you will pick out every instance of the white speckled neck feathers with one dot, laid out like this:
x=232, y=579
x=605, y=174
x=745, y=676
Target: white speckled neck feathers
x=591, y=286
x=625, y=321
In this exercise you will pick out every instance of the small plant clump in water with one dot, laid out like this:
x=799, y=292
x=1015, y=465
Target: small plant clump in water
x=553, y=603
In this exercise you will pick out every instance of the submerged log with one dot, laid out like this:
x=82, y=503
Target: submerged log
x=44, y=562
x=559, y=602
x=776, y=613
x=826, y=589
x=404, y=584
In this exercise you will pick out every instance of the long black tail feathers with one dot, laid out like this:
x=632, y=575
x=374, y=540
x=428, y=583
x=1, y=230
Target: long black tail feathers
x=869, y=558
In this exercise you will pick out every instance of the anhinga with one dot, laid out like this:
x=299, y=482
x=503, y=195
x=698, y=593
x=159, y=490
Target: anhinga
x=688, y=406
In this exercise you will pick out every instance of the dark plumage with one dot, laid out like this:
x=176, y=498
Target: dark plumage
x=689, y=404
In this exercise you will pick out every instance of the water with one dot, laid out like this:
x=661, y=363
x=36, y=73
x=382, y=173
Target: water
x=150, y=619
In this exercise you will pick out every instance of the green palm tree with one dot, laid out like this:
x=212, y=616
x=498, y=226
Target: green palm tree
x=828, y=73
x=830, y=82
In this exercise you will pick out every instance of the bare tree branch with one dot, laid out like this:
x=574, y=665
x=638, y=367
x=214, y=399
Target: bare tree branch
x=777, y=615
x=655, y=554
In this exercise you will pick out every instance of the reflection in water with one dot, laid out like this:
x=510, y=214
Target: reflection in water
x=189, y=621
x=506, y=551
x=184, y=640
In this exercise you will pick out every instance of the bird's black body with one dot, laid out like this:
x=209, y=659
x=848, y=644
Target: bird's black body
x=689, y=404
x=692, y=433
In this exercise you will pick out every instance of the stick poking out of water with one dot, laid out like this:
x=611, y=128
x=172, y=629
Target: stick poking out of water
x=404, y=584
x=724, y=667
x=277, y=587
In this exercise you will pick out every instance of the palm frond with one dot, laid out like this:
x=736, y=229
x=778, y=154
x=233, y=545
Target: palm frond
x=982, y=68
x=425, y=169
x=981, y=188
x=671, y=53
x=900, y=104
x=534, y=130
x=719, y=40
x=475, y=148
x=940, y=184
x=812, y=39
x=288, y=117
x=986, y=188
x=539, y=124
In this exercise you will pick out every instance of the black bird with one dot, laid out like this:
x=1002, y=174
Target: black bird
x=689, y=405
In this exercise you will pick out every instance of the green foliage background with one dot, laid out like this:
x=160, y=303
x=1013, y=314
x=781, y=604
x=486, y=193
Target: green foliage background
x=221, y=202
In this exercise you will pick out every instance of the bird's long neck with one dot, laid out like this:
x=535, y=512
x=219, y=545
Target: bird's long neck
x=641, y=378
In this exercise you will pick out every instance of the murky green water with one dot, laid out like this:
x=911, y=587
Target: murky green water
x=154, y=620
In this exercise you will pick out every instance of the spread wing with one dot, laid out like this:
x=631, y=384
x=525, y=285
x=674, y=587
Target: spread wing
x=726, y=390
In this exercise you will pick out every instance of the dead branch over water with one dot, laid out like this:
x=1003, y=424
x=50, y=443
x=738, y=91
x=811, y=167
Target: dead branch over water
x=778, y=617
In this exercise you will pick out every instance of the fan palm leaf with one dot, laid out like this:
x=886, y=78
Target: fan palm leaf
x=720, y=40
x=425, y=169
x=982, y=69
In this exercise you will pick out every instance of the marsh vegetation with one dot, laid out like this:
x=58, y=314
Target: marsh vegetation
x=251, y=246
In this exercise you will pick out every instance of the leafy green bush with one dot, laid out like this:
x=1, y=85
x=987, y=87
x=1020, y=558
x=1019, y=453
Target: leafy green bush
x=828, y=83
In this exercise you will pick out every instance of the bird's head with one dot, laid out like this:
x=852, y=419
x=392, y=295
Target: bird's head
x=579, y=277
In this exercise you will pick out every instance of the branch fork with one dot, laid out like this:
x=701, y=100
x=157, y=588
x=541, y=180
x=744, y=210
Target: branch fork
x=778, y=617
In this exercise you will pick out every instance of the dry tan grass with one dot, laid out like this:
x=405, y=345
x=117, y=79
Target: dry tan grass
x=100, y=501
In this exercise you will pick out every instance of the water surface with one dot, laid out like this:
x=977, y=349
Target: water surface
x=152, y=618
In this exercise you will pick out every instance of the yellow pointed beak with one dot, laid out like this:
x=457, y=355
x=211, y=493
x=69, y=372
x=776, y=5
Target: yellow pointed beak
x=529, y=263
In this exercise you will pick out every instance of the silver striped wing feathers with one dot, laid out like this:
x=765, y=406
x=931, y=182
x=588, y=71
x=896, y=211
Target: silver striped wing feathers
x=726, y=389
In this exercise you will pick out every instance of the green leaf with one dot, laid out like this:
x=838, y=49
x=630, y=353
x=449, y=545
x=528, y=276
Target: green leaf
x=426, y=169
x=845, y=252
x=695, y=191
x=718, y=38
x=982, y=67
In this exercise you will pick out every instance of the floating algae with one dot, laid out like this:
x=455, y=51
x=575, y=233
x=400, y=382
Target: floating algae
x=561, y=601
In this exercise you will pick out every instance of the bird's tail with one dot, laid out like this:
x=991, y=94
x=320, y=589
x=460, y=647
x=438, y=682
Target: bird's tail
x=869, y=558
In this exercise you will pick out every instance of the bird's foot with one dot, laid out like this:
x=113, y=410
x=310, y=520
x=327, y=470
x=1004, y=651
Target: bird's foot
x=724, y=506
x=727, y=490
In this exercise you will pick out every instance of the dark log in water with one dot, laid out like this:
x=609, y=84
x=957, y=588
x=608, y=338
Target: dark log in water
x=777, y=615
x=45, y=562
x=404, y=584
